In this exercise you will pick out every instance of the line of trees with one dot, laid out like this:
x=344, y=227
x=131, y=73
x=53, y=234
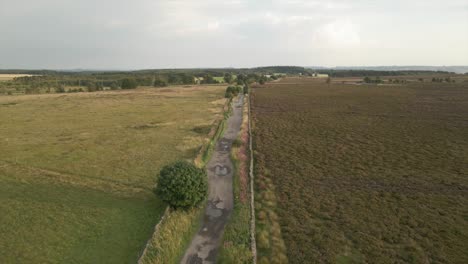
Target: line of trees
x=447, y=79
x=232, y=91
x=53, y=81
x=367, y=79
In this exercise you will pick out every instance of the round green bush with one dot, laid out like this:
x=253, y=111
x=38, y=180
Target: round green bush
x=182, y=185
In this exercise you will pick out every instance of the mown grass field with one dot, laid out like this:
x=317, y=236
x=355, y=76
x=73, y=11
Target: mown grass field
x=77, y=170
x=366, y=173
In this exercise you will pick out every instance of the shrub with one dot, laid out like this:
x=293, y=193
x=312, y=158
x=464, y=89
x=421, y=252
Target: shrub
x=182, y=185
x=59, y=89
x=91, y=86
x=369, y=80
x=232, y=91
x=114, y=86
x=228, y=78
x=262, y=80
x=263, y=241
x=129, y=84
x=208, y=79
x=236, y=143
x=159, y=83
x=246, y=88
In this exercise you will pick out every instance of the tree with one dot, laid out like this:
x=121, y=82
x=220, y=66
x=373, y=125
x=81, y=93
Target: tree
x=208, y=79
x=91, y=86
x=252, y=77
x=241, y=79
x=187, y=79
x=159, y=83
x=129, y=83
x=228, y=77
x=182, y=185
x=246, y=88
x=232, y=91
x=173, y=79
x=59, y=89
x=114, y=86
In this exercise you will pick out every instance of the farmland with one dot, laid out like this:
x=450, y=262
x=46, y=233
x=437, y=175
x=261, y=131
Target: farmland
x=363, y=173
x=8, y=77
x=77, y=170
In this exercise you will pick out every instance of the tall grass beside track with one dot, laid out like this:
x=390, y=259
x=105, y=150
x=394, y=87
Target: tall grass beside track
x=169, y=242
x=235, y=246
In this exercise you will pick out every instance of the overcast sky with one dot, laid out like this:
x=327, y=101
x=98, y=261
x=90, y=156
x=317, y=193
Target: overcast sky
x=123, y=34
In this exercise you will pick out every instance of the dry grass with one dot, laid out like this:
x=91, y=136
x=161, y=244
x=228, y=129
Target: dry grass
x=175, y=232
x=76, y=170
x=8, y=77
x=168, y=244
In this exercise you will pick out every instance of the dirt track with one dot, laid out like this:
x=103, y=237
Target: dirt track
x=205, y=245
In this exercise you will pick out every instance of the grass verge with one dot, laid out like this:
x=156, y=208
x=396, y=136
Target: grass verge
x=178, y=227
x=236, y=240
x=270, y=244
x=269, y=240
x=172, y=237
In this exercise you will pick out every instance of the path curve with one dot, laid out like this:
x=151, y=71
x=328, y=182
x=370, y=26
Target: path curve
x=205, y=244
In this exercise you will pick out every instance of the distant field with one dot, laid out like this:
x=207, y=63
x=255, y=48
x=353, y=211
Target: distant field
x=366, y=173
x=219, y=79
x=76, y=170
x=7, y=77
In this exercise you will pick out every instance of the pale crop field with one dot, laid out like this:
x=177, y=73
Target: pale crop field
x=8, y=77
x=77, y=170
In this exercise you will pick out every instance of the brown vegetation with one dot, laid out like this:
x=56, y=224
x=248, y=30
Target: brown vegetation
x=363, y=173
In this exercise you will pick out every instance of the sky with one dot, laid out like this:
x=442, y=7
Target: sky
x=143, y=34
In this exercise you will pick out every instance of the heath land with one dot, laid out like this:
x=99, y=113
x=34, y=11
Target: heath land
x=373, y=173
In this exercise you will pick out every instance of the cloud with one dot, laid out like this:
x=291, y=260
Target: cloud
x=208, y=33
x=337, y=34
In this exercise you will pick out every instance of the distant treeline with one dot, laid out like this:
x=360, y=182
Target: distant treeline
x=360, y=73
x=49, y=81
x=195, y=72
x=63, y=81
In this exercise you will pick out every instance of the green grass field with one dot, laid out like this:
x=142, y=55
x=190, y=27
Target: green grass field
x=76, y=170
x=364, y=173
x=219, y=79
